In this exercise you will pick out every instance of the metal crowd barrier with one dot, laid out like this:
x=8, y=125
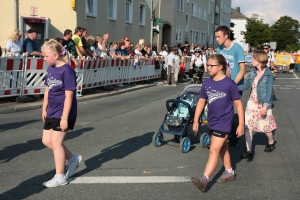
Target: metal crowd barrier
x=21, y=76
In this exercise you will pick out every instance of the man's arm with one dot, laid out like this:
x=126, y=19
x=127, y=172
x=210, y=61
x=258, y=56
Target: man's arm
x=30, y=50
x=241, y=73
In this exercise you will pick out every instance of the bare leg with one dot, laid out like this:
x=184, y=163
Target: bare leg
x=249, y=139
x=225, y=156
x=215, y=147
x=270, y=137
x=47, y=141
x=59, y=151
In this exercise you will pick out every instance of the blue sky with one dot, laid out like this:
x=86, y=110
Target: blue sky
x=269, y=10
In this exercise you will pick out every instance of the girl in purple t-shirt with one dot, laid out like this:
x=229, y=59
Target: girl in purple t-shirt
x=59, y=110
x=220, y=93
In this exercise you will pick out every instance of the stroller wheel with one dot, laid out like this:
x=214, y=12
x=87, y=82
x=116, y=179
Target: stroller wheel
x=185, y=144
x=157, y=139
x=205, y=140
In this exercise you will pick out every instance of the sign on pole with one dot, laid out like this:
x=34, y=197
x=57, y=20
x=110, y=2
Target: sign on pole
x=154, y=3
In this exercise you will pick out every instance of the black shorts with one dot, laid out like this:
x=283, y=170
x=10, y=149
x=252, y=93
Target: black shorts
x=292, y=66
x=220, y=134
x=54, y=124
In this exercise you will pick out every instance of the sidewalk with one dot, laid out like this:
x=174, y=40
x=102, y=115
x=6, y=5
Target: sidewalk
x=7, y=108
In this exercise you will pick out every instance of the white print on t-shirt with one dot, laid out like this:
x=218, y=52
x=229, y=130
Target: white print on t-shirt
x=214, y=95
x=52, y=82
x=229, y=58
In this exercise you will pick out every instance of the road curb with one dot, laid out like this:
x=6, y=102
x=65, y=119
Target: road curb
x=20, y=107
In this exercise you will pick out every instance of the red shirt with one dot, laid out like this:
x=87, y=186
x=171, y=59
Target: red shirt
x=182, y=67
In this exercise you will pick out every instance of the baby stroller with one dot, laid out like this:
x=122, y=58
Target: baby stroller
x=179, y=120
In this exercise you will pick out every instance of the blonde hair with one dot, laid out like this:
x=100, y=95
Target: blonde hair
x=14, y=36
x=90, y=40
x=261, y=57
x=182, y=59
x=142, y=42
x=56, y=47
x=138, y=45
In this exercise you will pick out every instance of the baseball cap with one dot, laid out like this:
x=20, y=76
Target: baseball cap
x=32, y=30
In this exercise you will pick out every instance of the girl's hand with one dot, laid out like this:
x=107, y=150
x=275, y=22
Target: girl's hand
x=44, y=114
x=195, y=126
x=63, y=125
x=191, y=67
x=263, y=111
x=240, y=131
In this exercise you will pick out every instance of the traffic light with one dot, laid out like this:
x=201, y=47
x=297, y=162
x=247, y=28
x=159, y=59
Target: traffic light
x=157, y=24
x=155, y=30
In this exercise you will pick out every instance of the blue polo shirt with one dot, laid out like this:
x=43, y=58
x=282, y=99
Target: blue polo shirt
x=29, y=46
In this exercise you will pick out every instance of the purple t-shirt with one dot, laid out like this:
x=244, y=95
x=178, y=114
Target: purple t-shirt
x=60, y=79
x=220, y=96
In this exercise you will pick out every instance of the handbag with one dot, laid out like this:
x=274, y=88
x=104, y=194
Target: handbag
x=157, y=65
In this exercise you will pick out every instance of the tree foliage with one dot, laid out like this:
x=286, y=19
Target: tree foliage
x=285, y=32
x=256, y=32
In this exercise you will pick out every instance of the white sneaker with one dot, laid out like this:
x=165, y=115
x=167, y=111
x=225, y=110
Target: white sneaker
x=120, y=85
x=55, y=182
x=73, y=166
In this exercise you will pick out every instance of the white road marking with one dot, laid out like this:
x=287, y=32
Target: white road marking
x=285, y=88
x=276, y=85
x=290, y=85
x=296, y=75
x=129, y=179
x=286, y=78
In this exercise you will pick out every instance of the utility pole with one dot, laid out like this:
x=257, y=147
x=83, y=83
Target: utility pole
x=151, y=22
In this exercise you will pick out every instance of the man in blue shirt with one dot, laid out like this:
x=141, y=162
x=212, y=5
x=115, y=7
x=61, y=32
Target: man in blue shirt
x=234, y=54
x=29, y=45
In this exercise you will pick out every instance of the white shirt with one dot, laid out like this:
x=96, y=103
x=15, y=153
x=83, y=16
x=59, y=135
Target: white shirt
x=171, y=58
x=163, y=53
x=14, y=48
x=271, y=58
x=199, y=61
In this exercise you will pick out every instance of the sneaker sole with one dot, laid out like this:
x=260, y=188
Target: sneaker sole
x=225, y=180
x=56, y=185
x=79, y=160
x=198, y=184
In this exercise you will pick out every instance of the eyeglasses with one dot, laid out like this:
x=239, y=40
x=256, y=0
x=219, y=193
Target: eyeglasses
x=211, y=66
x=266, y=48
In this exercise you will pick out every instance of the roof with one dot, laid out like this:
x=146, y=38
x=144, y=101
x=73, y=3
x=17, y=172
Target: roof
x=235, y=13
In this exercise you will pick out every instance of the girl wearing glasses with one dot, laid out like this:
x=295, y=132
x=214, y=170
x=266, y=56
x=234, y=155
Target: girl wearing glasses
x=220, y=93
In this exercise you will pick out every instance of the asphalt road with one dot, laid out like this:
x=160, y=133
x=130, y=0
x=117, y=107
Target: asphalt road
x=114, y=136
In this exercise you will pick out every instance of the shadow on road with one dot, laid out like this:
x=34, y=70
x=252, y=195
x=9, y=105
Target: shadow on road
x=16, y=125
x=33, y=185
x=13, y=151
x=116, y=152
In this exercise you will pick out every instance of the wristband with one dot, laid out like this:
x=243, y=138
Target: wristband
x=64, y=118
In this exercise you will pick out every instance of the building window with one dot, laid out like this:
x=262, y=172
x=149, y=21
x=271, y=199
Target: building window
x=91, y=8
x=193, y=36
x=187, y=23
x=180, y=5
x=200, y=12
x=128, y=11
x=142, y=14
x=194, y=10
x=112, y=10
x=179, y=31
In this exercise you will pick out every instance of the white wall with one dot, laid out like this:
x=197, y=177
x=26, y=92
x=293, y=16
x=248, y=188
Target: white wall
x=240, y=25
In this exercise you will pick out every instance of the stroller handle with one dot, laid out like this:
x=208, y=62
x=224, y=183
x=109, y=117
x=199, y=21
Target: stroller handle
x=178, y=101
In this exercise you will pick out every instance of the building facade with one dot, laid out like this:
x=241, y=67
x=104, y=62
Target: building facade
x=239, y=20
x=184, y=20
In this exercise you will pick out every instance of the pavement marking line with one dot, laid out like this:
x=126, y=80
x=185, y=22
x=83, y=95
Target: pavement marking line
x=285, y=88
x=129, y=179
x=287, y=78
x=295, y=75
x=290, y=85
x=276, y=85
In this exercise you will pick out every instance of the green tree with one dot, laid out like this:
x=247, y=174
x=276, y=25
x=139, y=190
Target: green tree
x=256, y=32
x=285, y=32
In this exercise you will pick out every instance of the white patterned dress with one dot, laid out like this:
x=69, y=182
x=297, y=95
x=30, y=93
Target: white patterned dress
x=253, y=119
